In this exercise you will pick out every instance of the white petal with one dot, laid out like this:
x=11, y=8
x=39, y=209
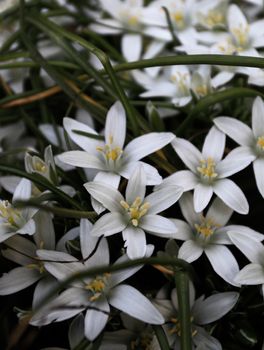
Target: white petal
x=28, y=229
x=252, y=249
x=187, y=209
x=258, y=166
x=87, y=143
x=152, y=175
x=107, y=195
x=201, y=197
x=158, y=225
x=42, y=290
x=245, y=230
x=190, y=251
x=258, y=117
x=9, y=183
x=50, y=134
x=135, y=304
x=238, y=159
x=115, y=125
x=204, y=341
x=251, y=274
x=57, y=266
x=135, y=242
x=183, y=178
x=136, y=186
x=214, y=144
x=222, y=78
x=236, y=18
x=18, y=279
x=88, y=242
x=189, y=154
x=22, y=250
x=184, y=232
x=163, y=198
x=100, y=257
x=232, y=195
x=235, y=129
x=95, y=320
x=82, y=159
x=144, y=145
x=76, y=331
x=223, y=262
x=45, y=234
x=214, y=307
x=109, y=224
x=22, y=191
x=131, y=46
x=219, y=212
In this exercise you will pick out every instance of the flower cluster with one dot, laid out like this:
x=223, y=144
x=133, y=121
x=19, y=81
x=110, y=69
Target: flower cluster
x=127, y=200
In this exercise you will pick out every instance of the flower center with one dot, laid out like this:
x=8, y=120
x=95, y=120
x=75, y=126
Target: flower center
x=39, y=266
x=181, y=80
x=9, y=214
x=207, y=169
x=97, y=286
x=178, y=17
x=110, y=152
x=260, y=144
x=136, y=210
x=241, y=35
x=201, y=90
x=143, y=342
x=38, y=165
x=176, y=327
x=206, y=228
x=214, y=18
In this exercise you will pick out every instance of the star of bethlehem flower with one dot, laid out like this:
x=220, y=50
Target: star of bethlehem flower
x=250, y=140
x=208, y=171
x=94, y=294
x=208, y=234
x=181, y=17
x=110, y=157
x=22, y=251
x=203, y=312
x=14, y=220
x=176, y=83
x=253, y=273
x=126, y=19
x=136, y=213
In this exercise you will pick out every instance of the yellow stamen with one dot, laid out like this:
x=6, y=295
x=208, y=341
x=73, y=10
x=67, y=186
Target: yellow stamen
x=214, y=18
x=260, y=142
x=201, y=90
x=135, y=210
x=207, y=168
x=11, y=215
x=97, y=286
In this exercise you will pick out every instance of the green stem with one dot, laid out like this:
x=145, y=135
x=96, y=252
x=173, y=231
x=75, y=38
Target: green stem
x=218, y=60
x=66, y=213
x=182, y=287
x=28, y=64
x=161, y=336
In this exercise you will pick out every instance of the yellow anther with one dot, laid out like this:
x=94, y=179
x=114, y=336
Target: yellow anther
x=206, y=227
x=110, y=153
x=11, y=215
x=135, y=210
x=133, y=20
x=241, y=35
x=124, y=204
x=99, y=148
x=178, y=17
x=37, y=266
x=214, y=18
x=207, y=168
x=97, y=286
x=260, y=142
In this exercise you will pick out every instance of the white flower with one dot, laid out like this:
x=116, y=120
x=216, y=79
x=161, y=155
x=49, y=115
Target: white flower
x=109, y=156
x=23, y=252
x=211, y=14
x=136, y=213
x=203, y=312
x=253, y=273
x=126, y=17
x=181, y=17
x=209, y=234
x=94, y=294
x=208, y=172
x=252, y=141
x=13, y=220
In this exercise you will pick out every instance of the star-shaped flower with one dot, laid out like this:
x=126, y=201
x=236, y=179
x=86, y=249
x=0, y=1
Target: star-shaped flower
x=208, y=172
x=136, y=213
